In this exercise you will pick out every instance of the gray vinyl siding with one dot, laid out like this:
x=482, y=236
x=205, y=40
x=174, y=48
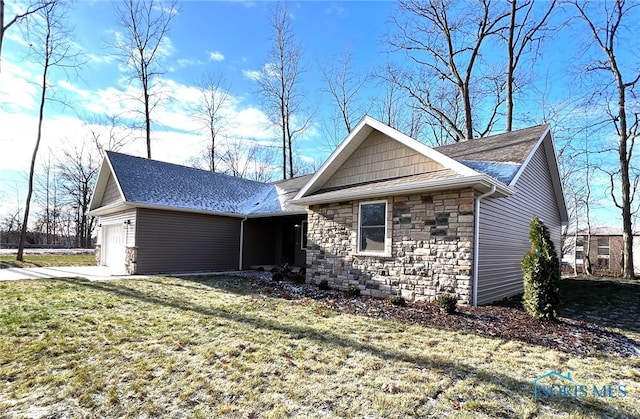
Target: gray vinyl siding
x=111, y=192
x=120, y=218
x=504, y=230
x=185, y=242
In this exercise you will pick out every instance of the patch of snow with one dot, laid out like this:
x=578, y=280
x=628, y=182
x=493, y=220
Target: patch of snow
x=151, y=182
x=504, y=172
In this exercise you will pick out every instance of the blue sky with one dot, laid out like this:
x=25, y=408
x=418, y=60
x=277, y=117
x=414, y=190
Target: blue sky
x=230, y=37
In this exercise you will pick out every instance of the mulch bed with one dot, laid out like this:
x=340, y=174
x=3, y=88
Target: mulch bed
x=507, y=321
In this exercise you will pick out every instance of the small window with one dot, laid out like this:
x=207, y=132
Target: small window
x=579, y=254
x=372, y=229
x=580, y=241
x=303, y=232
x=603, y=247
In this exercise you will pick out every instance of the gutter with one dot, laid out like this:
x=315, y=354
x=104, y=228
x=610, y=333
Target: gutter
x=241, y=243
x=476, y=242
x=418, y=187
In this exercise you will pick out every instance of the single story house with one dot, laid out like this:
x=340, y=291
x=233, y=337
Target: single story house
x=384, y=212
x=604, y=245
x=157, y=217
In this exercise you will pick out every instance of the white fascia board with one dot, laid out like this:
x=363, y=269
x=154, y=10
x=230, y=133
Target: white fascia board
x=121, y=206
x=103, y=179
x=101, y=183
x=332, y=158
x=552, y=159
x=110, y=209
x=524, y=165
x=418, y=187
x=356, y=134
x=423, y=149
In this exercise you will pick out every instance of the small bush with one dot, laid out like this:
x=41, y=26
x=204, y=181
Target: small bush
x=298, y=278
x=397, y=300
x=541, y=272
x=324, y=285
x=260, y=269
x=277, y=276
x=353, y=291
x=447, y=303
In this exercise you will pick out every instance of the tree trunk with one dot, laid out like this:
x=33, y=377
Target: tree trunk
x=510, y=66
x=147, y=119
x=43, y=99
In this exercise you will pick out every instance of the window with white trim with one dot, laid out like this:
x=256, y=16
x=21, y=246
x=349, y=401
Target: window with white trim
x=372, y=227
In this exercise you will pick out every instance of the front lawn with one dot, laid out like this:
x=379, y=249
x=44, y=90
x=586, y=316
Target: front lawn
x=223, y=346
x=38, y=260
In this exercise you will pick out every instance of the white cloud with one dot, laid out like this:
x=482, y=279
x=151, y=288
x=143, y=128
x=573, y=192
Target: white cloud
x=101, y=59
x=216, y=56
x=252, y=74
x=17, y=88
x=188, y=62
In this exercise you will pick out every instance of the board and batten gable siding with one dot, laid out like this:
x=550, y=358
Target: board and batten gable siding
x=504, y=230
x=170, y=241
x=119, y=218
x=111, y=192
x=380, y=157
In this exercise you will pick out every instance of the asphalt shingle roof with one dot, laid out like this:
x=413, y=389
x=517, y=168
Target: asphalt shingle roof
x=152, y=182
x=499, y=156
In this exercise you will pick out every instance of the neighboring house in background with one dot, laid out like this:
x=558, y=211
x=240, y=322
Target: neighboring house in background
x=605, y=250
x=384, y=212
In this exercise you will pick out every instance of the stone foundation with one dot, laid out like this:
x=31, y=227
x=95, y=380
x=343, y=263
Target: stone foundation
x=131, y=259
x=98, y=254
x=429, y=247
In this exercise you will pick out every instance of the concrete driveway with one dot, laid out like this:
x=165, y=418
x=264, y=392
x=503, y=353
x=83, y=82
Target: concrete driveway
x=92, y=273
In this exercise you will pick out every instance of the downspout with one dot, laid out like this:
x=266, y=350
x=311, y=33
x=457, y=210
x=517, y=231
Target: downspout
x=241, y=242
x=476, y=242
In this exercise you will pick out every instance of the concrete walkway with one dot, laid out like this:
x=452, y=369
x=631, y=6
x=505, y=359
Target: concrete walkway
x=92, y=273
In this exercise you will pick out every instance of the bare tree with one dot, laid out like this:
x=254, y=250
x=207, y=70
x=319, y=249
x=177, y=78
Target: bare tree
x=52, y=47
x=344, y=85
x=444, y=40
x=31, y=8
x=243, y=157
x=214, y=96
x=523, y=31
x=108, y=132
x=607, y=23
x=146, y=24
x=78, y=169
x=279, y=85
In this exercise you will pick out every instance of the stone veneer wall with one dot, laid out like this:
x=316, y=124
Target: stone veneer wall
x=98, y=254
x=429, y=247
x=131, y=259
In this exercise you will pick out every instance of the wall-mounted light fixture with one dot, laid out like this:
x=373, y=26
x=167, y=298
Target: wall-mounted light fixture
x=127, y=222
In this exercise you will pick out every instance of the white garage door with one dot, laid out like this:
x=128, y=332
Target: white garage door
x=113, y=247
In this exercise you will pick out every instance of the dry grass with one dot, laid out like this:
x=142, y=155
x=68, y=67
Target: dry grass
x=43, y=260
x=211, y=347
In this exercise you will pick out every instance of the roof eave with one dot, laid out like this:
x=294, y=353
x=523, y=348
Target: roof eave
x=366, y=125
x=121, y=206
x=482, y=183
x=110, y=209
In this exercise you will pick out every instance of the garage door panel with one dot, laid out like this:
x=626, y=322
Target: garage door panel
x=113, y=238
